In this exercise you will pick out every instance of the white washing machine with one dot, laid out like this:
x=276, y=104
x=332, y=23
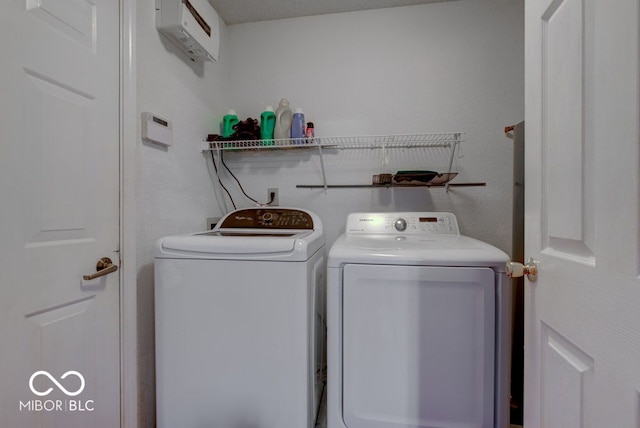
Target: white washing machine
x=418, y=325
x=240, y=322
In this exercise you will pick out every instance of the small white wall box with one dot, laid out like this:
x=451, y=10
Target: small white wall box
x=156, y=129
x=192, y=25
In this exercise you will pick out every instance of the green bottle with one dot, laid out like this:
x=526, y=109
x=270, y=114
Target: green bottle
x=228, y=121
x=267, y=125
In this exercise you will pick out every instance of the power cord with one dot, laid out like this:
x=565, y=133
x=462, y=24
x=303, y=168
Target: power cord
x=213, y=160
x=272, y=195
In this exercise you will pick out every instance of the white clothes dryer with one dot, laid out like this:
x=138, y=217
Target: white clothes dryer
x=418, y=325
x=240, y=322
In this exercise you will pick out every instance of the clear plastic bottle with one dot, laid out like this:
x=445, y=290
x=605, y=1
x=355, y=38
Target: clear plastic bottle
x=267, y=126
x=228, y=122
x=297, y=126
x=284, y=117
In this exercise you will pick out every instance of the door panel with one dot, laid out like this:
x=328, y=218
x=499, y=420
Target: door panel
x=59, y=168
x=418, y=347
x=565, y=370
x=57, y=329
x=565, y=221
x=57, y=140
x=75, y=18
x=582, y=316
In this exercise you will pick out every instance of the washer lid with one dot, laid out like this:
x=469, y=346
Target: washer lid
x=289, y=245
x=236, y=242
x=251, y=234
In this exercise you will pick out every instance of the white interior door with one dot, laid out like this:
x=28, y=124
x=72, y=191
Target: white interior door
x=582, y=322
x=59, y=183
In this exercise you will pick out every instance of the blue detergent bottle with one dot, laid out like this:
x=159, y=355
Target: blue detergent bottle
x=297, y=127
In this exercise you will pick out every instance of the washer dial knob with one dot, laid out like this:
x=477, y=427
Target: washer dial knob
x=400, y=224
x=267, y=218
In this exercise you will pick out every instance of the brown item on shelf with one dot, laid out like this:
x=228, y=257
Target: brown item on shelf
x=414, y=177
x=382, y=179
x=442, y=178
x=248, y=129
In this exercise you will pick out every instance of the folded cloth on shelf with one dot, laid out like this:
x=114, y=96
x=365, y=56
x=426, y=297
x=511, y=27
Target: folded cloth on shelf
x=248, y=129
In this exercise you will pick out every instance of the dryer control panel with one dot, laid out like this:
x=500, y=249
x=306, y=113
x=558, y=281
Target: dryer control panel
x=412, y=223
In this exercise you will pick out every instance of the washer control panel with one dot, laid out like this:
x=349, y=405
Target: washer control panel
x=268, y=218
x=420, y=223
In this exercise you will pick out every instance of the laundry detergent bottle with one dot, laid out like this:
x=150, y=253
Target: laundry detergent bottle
x=297, y=126
x=228, y=122
x=284, y=117
x=267, y=126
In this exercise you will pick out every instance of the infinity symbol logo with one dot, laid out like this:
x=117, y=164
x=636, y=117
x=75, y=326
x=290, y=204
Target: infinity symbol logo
x=60, y=387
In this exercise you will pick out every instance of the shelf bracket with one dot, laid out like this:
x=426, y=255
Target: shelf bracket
x=453, y=154
x=385, y=155
x=324, y=175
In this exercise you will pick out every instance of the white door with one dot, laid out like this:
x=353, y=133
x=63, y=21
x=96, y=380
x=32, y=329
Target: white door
x=582, y=316
x=59, y=187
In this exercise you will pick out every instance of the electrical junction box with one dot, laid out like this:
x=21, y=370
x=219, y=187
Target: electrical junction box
x=192, y=25
x=156, y=129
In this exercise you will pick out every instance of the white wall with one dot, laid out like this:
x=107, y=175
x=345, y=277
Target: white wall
x=173, y=188
x=442, y=67
x=455, y=66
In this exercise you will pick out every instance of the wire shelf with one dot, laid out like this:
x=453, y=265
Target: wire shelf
x=448, y=141
x=357, y=142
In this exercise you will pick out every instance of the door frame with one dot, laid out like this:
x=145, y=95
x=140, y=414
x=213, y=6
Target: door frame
x=127, y=228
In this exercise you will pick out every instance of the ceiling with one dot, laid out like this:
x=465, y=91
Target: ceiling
x=236, y=12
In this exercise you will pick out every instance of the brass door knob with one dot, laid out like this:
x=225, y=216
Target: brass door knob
x=104, y=267
x=516, y=270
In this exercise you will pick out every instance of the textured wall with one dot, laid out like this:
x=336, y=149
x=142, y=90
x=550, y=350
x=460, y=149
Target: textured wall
x=455, y=66
x=173, y=188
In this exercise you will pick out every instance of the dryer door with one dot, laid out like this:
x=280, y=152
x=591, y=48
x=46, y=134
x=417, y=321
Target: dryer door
x=418, y=346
